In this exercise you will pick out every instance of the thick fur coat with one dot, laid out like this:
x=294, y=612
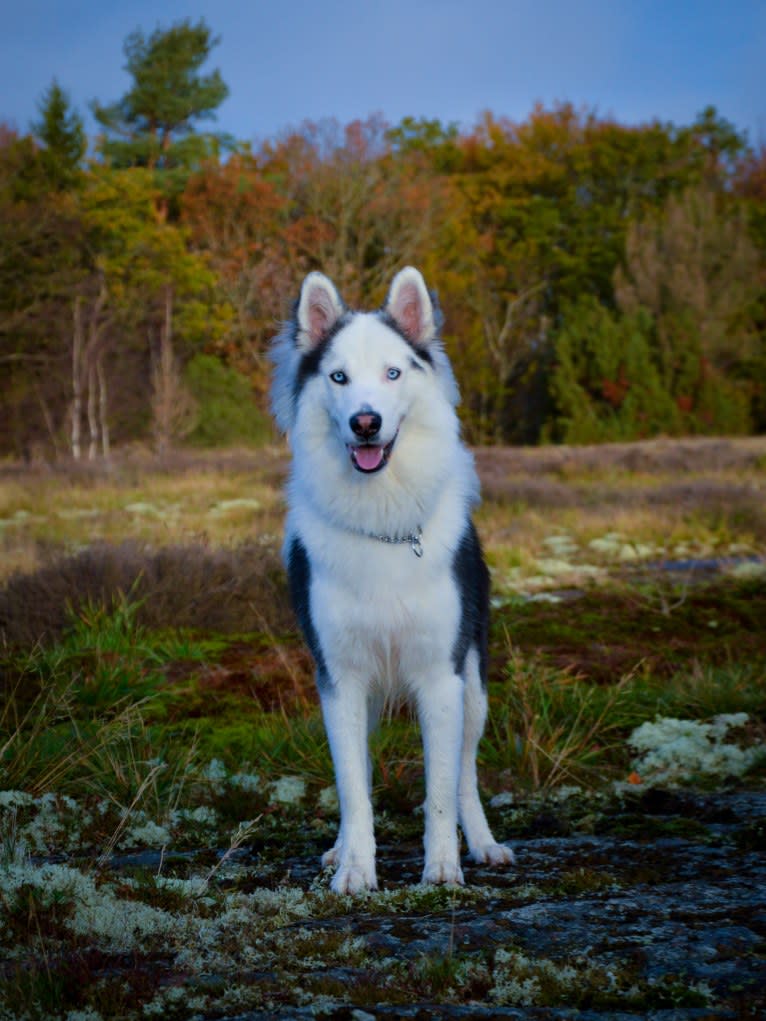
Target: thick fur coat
x=385, y=568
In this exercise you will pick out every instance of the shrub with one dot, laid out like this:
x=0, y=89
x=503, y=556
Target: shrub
x=623, y=376
x=605, y=384
x=227, y=412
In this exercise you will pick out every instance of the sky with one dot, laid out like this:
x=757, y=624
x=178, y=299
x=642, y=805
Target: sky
x=287, y=61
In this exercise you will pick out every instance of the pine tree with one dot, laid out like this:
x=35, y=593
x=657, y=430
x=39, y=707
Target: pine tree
x=605, y=384
x=61, y=132
x=154, y=124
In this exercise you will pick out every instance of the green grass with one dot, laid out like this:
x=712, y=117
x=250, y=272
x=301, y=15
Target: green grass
x=111, y=696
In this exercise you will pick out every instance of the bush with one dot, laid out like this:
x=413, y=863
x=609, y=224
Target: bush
x=618, y=378
x=227, y=410
x=605, y=384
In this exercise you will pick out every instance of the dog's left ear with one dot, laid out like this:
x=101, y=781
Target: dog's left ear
x=409, y=305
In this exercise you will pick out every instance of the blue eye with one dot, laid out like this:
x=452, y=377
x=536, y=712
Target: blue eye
x=394, y=373
x=339, y=377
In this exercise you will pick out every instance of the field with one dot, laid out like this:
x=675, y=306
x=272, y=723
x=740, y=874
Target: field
x=166, y=790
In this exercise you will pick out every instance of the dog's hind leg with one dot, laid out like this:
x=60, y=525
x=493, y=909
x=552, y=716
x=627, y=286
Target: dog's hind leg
x=346, y=713
x=473, y=822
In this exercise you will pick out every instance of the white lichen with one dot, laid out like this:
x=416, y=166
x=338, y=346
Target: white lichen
x=247, y=782
x=328, y=800
x=98, y=913
x=523, y=981
x=502, y=800
x=145, y=833
x=671, y=749
x=288, y=790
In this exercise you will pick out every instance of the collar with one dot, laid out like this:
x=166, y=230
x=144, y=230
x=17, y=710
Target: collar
x=413, y=539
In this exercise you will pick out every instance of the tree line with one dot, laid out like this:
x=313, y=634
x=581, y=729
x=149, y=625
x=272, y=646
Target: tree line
x=599, y=281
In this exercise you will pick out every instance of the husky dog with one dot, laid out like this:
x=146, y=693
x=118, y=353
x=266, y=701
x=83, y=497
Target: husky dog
x=385, y=568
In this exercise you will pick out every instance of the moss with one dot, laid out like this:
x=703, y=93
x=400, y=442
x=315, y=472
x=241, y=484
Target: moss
x=718, y=623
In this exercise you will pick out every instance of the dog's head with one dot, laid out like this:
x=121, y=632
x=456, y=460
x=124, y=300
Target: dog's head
x=370, y=374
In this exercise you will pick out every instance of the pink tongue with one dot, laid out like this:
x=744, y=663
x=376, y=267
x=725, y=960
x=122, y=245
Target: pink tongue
x=368, y=457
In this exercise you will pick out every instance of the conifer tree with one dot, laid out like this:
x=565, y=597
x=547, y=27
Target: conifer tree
x=61, y=132
x=154, y=125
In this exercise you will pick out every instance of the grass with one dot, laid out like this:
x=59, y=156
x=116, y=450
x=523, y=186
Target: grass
x=162, y=753
x=187, y=641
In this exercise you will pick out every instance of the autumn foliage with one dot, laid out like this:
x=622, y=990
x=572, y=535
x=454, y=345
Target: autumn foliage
x=599, y=281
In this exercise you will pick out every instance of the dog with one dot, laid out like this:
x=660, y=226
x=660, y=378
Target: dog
x=385, y=568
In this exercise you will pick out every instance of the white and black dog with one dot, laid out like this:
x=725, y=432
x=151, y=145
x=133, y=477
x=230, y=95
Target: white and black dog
x=385, y=568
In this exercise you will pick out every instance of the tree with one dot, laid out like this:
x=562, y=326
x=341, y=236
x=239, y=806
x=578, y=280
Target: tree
x=751, y=188
x=144, y=298
x=605, y=383
x=41, y=244
x=60, y=131
x=354, y=209
x=239, y=221
x=715, y=148
x=154, y=125
x=695, y=269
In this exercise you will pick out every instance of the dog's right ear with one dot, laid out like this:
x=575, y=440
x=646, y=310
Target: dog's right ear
x=319, y=308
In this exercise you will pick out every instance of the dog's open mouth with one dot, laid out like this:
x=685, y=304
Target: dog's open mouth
x=370, y=457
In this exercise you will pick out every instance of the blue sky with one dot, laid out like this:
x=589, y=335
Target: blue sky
x=289, y=60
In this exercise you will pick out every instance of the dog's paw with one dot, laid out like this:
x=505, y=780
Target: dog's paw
x=354, y=878
x=443, y=873
x=330, y=857
x=493, y=854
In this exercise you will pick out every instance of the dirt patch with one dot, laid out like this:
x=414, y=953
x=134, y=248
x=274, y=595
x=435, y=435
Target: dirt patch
x=273, y=677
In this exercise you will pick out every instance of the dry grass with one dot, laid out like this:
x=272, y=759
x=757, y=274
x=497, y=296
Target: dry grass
x=221, y=500
x=228, y=590
x=660, y=456
x=195, y=538
x=710, y=492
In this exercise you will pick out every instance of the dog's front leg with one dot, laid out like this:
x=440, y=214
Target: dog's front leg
x=440, y=705
x=344, y=707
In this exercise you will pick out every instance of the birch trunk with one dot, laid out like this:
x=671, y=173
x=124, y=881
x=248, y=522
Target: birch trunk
x=92, y=413
x=103, y=407
x=77, y=345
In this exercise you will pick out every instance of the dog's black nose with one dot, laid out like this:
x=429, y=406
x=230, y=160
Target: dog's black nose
x=365, y=424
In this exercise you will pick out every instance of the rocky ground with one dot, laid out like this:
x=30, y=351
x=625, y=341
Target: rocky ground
x=647, y=904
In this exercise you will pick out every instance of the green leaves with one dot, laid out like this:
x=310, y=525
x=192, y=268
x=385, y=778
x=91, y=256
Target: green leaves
x=153, y=124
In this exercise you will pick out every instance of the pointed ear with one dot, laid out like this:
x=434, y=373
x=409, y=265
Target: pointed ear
x=319, y=308
x=409, y=305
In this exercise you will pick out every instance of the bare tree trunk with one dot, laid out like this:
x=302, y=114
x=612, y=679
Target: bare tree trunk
x=173, y=407
x=48, y=419
x=162, y=378
x=77, y=378
x=102, y=406
x=92, y=416
x=94, y=356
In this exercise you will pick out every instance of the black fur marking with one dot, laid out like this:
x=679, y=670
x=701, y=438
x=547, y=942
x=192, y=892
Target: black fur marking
x=472, y=578
x=299, y=579
x=311, y=360
x=420, y=350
